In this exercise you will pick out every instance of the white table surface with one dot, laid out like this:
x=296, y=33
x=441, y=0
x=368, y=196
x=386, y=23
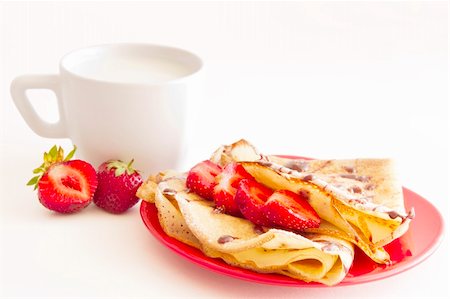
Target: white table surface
x=321, y=80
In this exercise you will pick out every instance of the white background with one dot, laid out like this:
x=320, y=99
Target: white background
x=326, y=80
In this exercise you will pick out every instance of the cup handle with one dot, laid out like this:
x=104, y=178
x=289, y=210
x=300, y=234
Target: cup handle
x=20, y=85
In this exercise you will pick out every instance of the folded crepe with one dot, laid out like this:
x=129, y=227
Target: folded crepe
x=194, y=221
x=358, y=200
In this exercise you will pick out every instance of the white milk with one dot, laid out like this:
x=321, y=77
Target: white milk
x=130, y=69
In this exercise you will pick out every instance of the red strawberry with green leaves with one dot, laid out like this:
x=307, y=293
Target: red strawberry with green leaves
x=250, y=198
x=226, y=188
x=64, y=185
x=117, y=186
x=201, y=179
x=289, y=210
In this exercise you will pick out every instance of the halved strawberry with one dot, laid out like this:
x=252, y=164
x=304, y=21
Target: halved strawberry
x=201, y=178
x=250, y=198
x=291, y=211
x=226, y=188
x=67, y=187
x=64, y=185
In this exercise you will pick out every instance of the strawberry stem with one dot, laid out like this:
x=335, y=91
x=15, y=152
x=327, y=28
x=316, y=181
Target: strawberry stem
x=121, y=167
x=129, y=164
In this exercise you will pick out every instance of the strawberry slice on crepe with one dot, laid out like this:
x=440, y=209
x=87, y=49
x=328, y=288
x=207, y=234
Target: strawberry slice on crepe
x=289, y=210
x=250, y=198
x=201, y=178
x=226, y=188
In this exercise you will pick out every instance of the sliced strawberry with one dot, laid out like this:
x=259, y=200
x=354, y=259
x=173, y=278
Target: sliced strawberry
x=250, y=198
x=201, y=178
x=226, y=188
x=67, y=187
x=291, y=211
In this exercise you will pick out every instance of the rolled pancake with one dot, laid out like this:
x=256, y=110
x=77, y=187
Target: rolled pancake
x=194, y=221
x=160, y=190
x=361, y=197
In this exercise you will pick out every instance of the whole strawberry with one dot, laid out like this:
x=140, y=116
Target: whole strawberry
x=117, y=186
x=64, y=185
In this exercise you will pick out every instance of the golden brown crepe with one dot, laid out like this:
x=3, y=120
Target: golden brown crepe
x=361, y=197
x=194, y=221
x=359, y=202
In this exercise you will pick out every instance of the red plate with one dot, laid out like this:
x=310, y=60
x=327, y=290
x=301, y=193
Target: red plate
x=421, y=240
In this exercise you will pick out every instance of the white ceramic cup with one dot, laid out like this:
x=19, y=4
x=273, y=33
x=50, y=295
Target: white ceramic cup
x=119, y=101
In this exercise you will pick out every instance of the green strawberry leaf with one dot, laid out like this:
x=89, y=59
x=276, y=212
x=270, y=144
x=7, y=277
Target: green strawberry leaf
x=47, y=158
x=33, y=180
x=60, y=154
x=70, y=155
x=119, y=171
x=120, y=167
x=38, y=170
x=53, y=151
